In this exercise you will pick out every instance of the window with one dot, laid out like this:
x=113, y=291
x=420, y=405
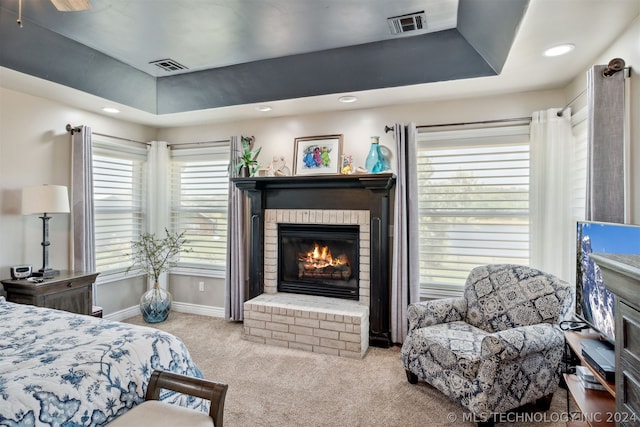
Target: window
x=119, y=180
x=199, y=203
x=473, y=202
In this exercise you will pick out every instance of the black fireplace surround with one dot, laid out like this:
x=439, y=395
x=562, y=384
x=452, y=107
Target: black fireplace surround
x=373, y=193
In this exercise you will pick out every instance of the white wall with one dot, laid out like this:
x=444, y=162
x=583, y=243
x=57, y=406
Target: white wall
x=35, y=149
x=276, y=135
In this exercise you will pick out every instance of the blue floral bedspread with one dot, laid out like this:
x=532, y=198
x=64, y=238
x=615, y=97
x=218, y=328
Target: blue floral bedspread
x=68, y=370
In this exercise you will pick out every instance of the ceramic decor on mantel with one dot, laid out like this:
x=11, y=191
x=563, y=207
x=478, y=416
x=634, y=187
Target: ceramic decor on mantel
x=375, y=161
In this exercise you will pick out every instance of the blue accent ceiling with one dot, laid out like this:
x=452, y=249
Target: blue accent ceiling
x=478, y=47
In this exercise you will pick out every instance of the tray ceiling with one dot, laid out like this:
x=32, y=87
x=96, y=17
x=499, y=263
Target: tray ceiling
x=249, y=51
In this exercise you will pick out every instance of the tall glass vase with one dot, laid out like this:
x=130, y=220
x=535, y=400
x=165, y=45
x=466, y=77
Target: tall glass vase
x=375, y=161
x=155, y=304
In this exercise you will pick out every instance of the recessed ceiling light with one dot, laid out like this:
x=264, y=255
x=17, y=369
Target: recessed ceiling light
x=347, y=99
x=110, y=110
x=263, y=108
x=560, y=49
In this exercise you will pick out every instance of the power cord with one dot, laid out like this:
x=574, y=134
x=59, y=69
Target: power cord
x=573, y=325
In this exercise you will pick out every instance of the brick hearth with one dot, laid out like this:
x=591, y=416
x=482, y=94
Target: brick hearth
x=313, y=323
x=318, y=324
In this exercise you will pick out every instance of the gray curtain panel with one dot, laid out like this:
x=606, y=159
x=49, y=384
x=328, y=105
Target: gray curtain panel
x=405, y=282
x=236, y=258
x=606, y=146
x=84, y=244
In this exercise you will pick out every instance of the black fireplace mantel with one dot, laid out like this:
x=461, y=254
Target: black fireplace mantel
x=284, y=191
x=371, y=192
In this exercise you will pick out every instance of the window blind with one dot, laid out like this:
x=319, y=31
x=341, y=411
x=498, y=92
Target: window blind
x=199, y=203
x=473, y=201
x=119, y=180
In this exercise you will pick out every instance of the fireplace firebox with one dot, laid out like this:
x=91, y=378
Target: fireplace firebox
x=320, y=260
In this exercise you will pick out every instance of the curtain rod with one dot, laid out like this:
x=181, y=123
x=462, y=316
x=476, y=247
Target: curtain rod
x=122, y=139
x=484, y=122
x=197, y=143
x=578, y=96
x=74, y=129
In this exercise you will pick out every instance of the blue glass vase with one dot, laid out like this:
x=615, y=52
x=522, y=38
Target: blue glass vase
x=375, y=160
x=155, y=304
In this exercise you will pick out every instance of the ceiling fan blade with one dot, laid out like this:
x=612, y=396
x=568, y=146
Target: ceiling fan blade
x=71, y=5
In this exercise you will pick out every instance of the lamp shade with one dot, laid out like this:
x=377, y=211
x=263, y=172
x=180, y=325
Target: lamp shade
x=45, y=199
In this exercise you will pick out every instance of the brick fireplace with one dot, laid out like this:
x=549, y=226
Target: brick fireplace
x=315, y=323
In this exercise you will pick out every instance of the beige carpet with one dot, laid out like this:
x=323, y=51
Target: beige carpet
x=272, y=386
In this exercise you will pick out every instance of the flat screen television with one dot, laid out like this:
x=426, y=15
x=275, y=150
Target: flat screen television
x=595, y=304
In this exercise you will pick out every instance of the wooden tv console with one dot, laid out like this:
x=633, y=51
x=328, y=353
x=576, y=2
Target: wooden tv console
x=598, y=407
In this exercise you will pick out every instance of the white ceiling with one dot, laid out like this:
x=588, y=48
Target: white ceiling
x=591, y=25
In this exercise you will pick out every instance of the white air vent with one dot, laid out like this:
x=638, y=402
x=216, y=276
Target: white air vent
x=168, y=65
x=410, y=22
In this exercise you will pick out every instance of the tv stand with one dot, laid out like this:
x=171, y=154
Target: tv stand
x=598, y=407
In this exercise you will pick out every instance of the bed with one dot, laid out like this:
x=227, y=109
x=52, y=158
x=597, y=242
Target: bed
x=70, y=370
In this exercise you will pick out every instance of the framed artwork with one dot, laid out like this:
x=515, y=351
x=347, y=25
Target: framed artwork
x=317, y=155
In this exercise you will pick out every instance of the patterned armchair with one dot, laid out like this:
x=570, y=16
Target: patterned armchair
x=495, y=349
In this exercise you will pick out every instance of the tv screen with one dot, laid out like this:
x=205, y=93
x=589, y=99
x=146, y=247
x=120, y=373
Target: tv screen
x=594, y=303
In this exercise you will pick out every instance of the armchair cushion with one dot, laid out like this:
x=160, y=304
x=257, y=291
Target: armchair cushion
x=520, y=342
x=455, y=345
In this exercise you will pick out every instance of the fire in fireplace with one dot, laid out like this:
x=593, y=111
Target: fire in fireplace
x=319, y=260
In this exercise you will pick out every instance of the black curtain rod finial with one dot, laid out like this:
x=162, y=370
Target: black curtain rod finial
x=615, y=65
x=73, y=130
x=388, y=129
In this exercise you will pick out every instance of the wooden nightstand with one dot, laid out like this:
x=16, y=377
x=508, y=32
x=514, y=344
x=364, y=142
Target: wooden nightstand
x=70, y=291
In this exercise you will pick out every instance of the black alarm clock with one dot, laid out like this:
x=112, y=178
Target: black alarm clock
x=20, y=271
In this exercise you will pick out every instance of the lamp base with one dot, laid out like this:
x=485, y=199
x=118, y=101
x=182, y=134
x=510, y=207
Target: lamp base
x=46, y=274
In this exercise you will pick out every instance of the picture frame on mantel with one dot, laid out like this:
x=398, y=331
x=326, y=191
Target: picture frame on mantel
x=317, y=155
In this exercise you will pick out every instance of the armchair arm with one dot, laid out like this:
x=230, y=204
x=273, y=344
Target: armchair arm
x=427, y=313
x=521, y=341
x=213, y=391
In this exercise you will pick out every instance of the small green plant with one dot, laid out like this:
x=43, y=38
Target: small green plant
x=248, y=158
x=155, y=255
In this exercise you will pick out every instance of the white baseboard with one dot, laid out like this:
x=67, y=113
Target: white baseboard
x=181, y=307
x=124, y=314
x=204, y=310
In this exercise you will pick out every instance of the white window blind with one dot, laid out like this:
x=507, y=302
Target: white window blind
x=473, y=202
x=119, y=180
x=199, y=203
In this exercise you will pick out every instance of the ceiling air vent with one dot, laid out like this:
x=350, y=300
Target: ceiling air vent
x=168, y=65
x=410, y=22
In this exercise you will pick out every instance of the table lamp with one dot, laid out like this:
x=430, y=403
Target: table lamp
x=45, y=199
